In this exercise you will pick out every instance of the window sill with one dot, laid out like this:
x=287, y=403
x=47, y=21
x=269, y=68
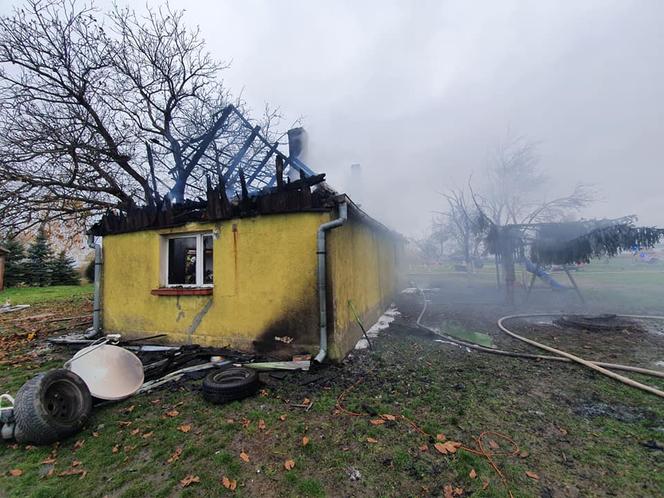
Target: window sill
x=182, y=291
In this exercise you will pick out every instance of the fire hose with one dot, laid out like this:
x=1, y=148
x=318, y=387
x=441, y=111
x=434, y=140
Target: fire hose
x=561, y=355
x=590, y=364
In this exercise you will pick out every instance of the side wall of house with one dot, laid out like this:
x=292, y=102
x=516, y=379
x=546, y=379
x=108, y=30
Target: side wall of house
x=363, y=267
x=264, y=285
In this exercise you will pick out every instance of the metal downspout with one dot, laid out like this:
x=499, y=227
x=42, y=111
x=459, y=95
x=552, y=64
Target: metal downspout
x=322, y=284
x=95, y=330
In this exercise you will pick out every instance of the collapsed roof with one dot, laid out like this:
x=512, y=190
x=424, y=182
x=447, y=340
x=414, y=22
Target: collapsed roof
x=285, y=197
x=252, y=152
x=249, y=181
x=256, y=179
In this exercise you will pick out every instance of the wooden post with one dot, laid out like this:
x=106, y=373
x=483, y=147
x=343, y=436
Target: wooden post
x=279, y=166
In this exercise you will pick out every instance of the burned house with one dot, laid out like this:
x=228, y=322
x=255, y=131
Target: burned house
x=272, y=270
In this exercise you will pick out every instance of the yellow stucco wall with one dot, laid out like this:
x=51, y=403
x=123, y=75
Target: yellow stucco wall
x=264, y=284
x=363, y=266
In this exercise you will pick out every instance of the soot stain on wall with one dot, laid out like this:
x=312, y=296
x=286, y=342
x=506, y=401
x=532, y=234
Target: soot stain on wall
x=299, y=322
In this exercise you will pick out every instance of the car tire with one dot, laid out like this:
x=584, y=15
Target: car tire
x=224, y=386
x=51, y=406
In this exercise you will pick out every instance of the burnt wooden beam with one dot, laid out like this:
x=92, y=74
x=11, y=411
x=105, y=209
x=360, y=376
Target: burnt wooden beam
x=309, y=181
x=292, y=197
x=262, y=164
x=243, y=185
x=279, y=166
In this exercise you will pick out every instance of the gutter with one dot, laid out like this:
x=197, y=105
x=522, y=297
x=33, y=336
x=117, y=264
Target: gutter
x=322, y=275
x=95, y=330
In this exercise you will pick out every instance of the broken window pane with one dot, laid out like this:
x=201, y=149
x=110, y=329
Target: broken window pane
x=182, y=261
x=207, y=259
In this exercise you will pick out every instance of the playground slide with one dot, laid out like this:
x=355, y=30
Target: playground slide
x=544, y=275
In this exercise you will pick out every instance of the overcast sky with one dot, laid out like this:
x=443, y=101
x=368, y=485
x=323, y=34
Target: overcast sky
x=420, y=92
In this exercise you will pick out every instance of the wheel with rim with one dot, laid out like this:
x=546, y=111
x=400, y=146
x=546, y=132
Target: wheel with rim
x=223, y=386
x=51, y=406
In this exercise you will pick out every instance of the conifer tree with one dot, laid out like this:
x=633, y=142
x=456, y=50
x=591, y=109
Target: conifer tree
x=63, y=271
x=39, y=261
x=14, y=262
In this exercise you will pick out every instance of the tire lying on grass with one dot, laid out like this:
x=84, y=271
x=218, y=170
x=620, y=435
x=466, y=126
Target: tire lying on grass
x=51, y=406
x=224, y=386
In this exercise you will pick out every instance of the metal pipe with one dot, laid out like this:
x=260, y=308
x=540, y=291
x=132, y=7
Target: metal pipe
x=322, y=283
x=7, y=422
x=95, y=330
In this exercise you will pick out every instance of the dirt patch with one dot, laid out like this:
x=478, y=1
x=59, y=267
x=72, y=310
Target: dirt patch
x=635, y=346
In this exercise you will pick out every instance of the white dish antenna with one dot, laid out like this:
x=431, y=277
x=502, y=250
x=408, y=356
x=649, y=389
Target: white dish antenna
x=110, y=372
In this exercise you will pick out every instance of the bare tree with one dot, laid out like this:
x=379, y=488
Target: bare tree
x=516, y=189
x=167, y=86
x=108, y=110
x=61, y=146
x=432, y=245
x=461, y=218
x=513, y=198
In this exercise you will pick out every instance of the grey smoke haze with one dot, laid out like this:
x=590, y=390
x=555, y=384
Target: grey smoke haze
x=420, y=92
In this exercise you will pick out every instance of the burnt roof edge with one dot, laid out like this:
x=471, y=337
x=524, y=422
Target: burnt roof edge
x=363, y=216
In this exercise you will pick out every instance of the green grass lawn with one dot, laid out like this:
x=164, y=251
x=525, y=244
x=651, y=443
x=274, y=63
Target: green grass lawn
x=36, y=295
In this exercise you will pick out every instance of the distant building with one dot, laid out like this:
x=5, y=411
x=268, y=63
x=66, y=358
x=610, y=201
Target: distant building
x=69, y=237
x=355, y=185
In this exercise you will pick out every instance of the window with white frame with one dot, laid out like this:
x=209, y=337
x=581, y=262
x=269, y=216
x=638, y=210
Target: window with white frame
x=188, y=259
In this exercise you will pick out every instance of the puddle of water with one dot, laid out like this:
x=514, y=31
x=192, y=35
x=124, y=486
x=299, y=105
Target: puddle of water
x=455, y=330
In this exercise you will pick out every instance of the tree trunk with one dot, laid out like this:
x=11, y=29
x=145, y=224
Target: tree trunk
x=177, y=192
x=507, y=256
